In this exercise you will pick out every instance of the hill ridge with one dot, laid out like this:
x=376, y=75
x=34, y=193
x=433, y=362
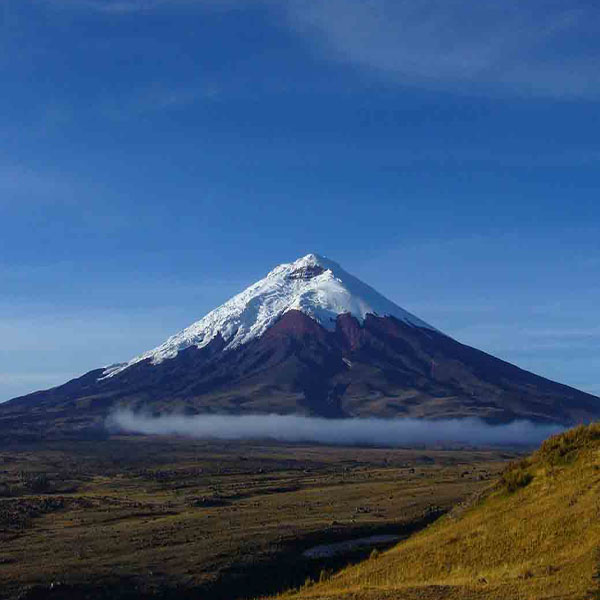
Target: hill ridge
x=535, y=535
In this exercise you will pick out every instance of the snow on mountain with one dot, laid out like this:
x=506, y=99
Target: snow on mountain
x=312, y=284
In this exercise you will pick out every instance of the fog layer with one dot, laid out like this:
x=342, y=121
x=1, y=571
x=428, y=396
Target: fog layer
x=375, y=432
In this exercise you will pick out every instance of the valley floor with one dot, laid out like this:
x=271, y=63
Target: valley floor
x=137, y=517
x=534, y=535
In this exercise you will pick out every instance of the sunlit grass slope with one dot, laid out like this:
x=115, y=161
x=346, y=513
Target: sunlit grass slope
x=534, y=535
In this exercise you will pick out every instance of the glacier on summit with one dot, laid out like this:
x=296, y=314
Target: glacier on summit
x=312, y=284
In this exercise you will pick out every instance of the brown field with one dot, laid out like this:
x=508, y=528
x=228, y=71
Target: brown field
x=137, y=517
x=534, y=535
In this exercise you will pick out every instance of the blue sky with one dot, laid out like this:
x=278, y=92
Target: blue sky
x=157, y=157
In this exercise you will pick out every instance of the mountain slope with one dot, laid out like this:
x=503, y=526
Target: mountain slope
x=308, y=339
x=313, y=285
x=536, y=535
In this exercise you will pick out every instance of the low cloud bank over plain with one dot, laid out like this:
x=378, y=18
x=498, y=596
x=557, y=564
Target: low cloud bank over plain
x=373, y=432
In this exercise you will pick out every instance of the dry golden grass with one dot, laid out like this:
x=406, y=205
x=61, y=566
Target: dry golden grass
x=161, y=518
x=535, y=535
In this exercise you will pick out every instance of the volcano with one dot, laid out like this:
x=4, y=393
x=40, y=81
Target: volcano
x=307, y=339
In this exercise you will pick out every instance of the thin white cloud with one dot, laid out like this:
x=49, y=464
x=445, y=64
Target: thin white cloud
x=138, y=6
x=115, y=6
x=502, y=338
x=566, y=333
x=156, y=98
x=375, y=432
x=19, y=183
x=470, y=45
x=34, y=379
x=14, y=384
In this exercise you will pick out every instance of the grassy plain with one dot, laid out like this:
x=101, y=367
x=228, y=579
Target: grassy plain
x=137, y=517
x=533, y=535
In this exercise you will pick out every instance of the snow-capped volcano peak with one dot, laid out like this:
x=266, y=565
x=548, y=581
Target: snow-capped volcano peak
x=312, y=284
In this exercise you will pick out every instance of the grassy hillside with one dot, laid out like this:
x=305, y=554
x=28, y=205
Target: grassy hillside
x=535, y=534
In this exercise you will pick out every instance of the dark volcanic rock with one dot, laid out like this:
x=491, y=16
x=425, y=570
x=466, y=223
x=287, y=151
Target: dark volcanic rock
x=384, y=367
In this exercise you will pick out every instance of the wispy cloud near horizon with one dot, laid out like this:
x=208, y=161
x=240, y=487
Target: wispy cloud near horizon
x=368, y=431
